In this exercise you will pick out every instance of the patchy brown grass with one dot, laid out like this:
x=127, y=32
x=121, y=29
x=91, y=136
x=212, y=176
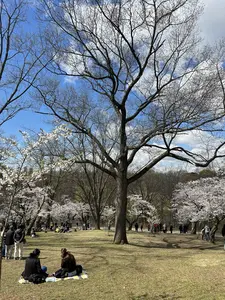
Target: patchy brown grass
x=152, y=267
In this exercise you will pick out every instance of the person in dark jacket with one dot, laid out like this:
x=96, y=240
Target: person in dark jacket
x=3, y=233
x=33, y=266
x=19, y=239
x=136, y=226
x=223, y=234
x=68, y=264
x=9, y=242
x=223, y=231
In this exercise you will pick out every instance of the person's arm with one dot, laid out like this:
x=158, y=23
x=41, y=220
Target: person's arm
x=74, y=260
x=64, y=263
x=38, y=266
x=22, y=237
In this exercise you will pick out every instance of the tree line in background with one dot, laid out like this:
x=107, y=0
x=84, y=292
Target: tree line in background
x=126, y=80
x=38, y=184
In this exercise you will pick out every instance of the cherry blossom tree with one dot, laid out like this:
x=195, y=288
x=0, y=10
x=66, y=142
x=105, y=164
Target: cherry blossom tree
x=22, y=181
x=68, y=211
x=139, y=208
x=108, y=214
x=48, y=158
x=201, y=200
x=148, y=78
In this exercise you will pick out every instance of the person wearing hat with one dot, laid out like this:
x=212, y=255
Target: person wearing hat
x=33, y=267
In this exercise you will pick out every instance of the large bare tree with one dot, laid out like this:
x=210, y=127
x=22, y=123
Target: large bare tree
x=19, y=59
x=95, y=188
x=148, y=80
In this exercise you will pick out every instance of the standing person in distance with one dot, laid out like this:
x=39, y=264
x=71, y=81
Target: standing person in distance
x=19, y=240
x=3, y=234
x=136, y=226
x=223, y=234
x=9, y=242
x=207, y=232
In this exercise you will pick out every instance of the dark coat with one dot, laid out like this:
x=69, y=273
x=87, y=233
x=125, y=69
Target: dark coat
x=69, y=263
x=19, y=235
x=9, y=237
x=32, y=266
x=223, y=231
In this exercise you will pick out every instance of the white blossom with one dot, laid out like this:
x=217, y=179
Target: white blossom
x=200, y=200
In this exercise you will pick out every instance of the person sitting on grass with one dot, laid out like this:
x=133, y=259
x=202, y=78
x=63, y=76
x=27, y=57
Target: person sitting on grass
x=68, y=264
x=33, y=271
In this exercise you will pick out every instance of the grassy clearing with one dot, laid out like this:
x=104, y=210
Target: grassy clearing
x=151, y=267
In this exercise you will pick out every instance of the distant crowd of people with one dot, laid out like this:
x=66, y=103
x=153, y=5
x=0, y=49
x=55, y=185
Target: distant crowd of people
x=66, y=227
x=154, y=227
x=63, y=228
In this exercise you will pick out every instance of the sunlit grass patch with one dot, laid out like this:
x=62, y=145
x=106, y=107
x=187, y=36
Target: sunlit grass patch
x=159, y=266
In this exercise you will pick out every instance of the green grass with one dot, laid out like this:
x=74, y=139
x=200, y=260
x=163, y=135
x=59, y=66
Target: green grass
x=151, y=267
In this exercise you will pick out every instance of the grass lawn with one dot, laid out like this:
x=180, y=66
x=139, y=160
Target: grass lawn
x=157, y=267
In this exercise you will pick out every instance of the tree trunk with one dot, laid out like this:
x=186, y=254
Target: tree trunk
x=213, y=230
x=38, y=223
x=130, y=225
x=1, y=249
x=193, y=227
x=97, y=222
x=120, y=236
x=48, y=220
x=31, y=224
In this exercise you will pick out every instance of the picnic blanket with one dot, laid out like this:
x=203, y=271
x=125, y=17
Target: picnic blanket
x=83, y=275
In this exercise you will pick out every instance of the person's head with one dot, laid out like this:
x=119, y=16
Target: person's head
x=11, y=227
x=64, y=252
x=35, y=253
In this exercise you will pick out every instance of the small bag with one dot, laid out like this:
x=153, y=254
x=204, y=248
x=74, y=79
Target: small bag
x=36, y=278
x=79, y=269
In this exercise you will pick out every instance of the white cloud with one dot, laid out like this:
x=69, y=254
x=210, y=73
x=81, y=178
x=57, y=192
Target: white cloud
x=212, y=22
x=196, y=141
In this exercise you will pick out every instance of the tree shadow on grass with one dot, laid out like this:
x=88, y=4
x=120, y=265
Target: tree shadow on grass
x=182, y=244
x=140, y=297
x=146, y=296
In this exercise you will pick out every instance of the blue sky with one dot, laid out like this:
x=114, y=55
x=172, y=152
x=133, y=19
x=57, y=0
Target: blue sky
x=212, y=24
x=25, y=120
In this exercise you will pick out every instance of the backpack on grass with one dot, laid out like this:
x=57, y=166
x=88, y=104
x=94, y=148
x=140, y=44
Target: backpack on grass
x=36, y=278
